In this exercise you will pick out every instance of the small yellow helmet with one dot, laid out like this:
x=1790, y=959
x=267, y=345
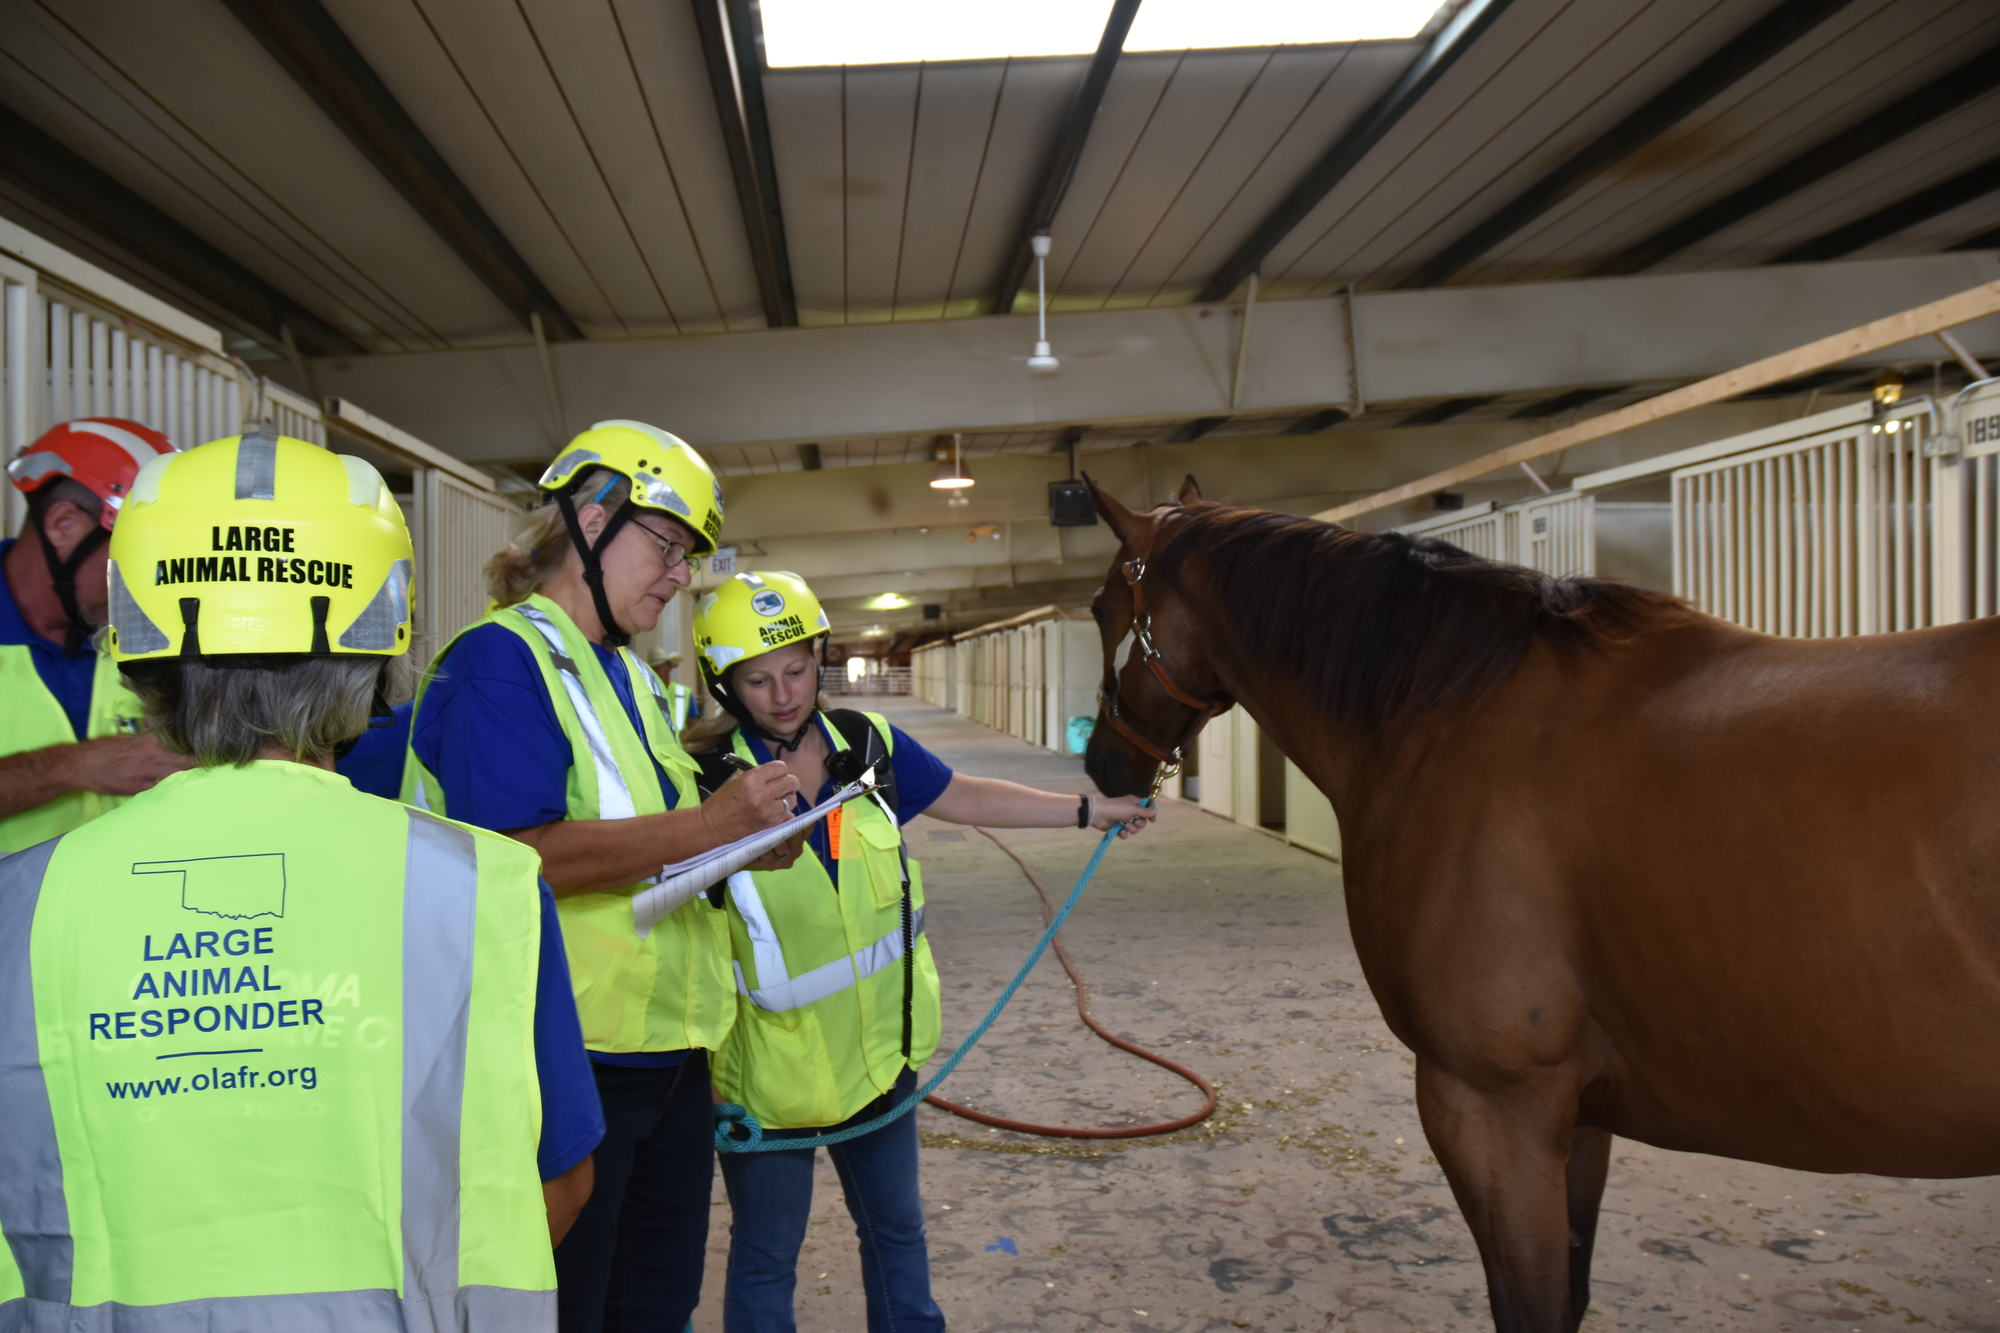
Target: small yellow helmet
x=665, y=472
x=259, y=543
x=753, y=614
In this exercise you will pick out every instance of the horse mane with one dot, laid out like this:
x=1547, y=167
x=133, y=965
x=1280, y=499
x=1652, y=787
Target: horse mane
x=1382, y=626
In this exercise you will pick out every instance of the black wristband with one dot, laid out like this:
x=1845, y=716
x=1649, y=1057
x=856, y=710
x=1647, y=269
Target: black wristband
x=1083, y=812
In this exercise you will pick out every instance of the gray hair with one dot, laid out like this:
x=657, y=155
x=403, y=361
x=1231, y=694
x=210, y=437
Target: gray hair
x=223, y=712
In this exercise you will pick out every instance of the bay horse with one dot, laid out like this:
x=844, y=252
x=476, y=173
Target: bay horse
x=1612, y=866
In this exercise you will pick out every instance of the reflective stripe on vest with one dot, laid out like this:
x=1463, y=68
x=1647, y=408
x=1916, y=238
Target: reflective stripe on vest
x=780, y=991
x=672, y=991
x=47, y=1263
x=825, y=981
x=614, y=798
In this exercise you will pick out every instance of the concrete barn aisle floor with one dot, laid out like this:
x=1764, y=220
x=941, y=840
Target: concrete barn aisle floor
x=1310, y=1201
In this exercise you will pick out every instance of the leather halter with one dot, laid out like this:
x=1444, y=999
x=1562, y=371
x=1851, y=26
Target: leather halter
x=1170, y=761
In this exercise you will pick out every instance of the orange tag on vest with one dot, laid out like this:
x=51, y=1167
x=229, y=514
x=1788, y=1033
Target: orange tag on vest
x=833, y=831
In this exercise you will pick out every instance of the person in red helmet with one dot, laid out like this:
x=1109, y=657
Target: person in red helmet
x=70, y=744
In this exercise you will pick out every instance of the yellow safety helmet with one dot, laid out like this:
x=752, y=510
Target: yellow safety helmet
x=664, y=475
x=259, y=544
x=665, y=472
x=753, y=614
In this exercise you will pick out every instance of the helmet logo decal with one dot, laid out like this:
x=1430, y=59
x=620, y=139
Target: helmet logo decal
x=768, y=602
x=781, y=632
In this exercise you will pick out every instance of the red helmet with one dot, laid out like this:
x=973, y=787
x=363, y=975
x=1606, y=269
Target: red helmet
x=102, y=454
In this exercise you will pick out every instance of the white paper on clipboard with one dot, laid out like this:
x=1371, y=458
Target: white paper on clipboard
x=682, y=883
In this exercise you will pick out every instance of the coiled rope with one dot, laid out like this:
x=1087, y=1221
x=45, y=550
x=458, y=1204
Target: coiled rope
x=1090, y=1021
x=731, y=1117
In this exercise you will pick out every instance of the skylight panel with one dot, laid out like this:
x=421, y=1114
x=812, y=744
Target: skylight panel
x=883, y=32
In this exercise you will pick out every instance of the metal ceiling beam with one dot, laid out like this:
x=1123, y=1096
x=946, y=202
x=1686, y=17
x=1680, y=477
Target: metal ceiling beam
x=1066, y=152
x=732, y=46
x=1451, y=42
x=1446, y=410
x=1147, y=366
x=1901, y=215
x=1195, y=429
x=1564, y=402
x=1737, y=57
x=51, y=172
x=302, y=37
x=1936, y=98
x=1985, y=240
x=1317, y=422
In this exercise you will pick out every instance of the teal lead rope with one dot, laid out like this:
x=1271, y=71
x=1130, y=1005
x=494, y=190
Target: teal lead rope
x=729, y=1115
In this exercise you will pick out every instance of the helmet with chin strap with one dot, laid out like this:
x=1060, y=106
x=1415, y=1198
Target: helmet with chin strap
x=103, y=455
x=745, y=617
x=659, y=471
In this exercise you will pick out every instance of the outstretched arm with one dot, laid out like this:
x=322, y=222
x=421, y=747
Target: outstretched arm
x=973, y=800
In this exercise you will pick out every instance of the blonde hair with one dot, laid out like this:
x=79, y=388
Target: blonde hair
x=535, y=551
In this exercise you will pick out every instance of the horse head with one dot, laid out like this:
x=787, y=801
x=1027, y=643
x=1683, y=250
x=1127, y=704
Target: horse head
x=1153, y=704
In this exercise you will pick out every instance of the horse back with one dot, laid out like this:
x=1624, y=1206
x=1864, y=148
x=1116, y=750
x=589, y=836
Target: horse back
x=1749, y=886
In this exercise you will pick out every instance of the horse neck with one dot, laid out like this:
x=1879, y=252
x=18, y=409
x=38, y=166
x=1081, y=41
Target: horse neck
x=1333, y=757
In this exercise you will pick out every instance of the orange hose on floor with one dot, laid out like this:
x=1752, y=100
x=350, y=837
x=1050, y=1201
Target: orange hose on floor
x=1083, y=1011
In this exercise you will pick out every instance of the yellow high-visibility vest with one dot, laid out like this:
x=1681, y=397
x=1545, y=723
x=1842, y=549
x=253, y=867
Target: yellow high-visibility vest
x=824, y=977
x=669, y=991
x=267, y=1061
x=33, y=720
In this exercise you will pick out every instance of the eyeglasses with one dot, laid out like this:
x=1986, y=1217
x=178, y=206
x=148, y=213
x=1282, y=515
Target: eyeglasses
x=672, y=553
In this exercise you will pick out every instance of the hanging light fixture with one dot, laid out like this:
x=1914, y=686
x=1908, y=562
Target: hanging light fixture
x=1042, y=363
x=949, y=475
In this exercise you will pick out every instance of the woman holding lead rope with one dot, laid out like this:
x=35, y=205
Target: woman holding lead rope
x=837, y=996
x=538, y=722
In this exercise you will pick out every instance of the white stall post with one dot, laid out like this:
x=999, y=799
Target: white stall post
x=20, y=390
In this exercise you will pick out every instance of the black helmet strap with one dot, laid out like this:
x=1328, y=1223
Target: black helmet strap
x=62, y=575
x=615, y=635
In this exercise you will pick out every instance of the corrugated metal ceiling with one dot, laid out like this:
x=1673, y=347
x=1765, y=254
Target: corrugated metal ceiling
x=589, y=131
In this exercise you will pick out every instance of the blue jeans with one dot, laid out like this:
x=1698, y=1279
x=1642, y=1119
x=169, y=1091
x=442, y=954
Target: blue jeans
x=770, y=1196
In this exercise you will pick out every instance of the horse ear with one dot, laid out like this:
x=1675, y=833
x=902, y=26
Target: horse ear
x=1189, y=492
x=1122, y=521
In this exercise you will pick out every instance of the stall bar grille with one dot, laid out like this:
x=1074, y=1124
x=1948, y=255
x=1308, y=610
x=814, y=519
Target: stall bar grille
x=458, y=529
x=834, y=683
x=100, y=365
x=1554, y=534
x=1833, y=535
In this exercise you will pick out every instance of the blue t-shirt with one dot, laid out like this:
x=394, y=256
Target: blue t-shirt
x=69, y=676
x=921, y=778
x=488, y=733
x=572, y=1117
x=375, y=764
